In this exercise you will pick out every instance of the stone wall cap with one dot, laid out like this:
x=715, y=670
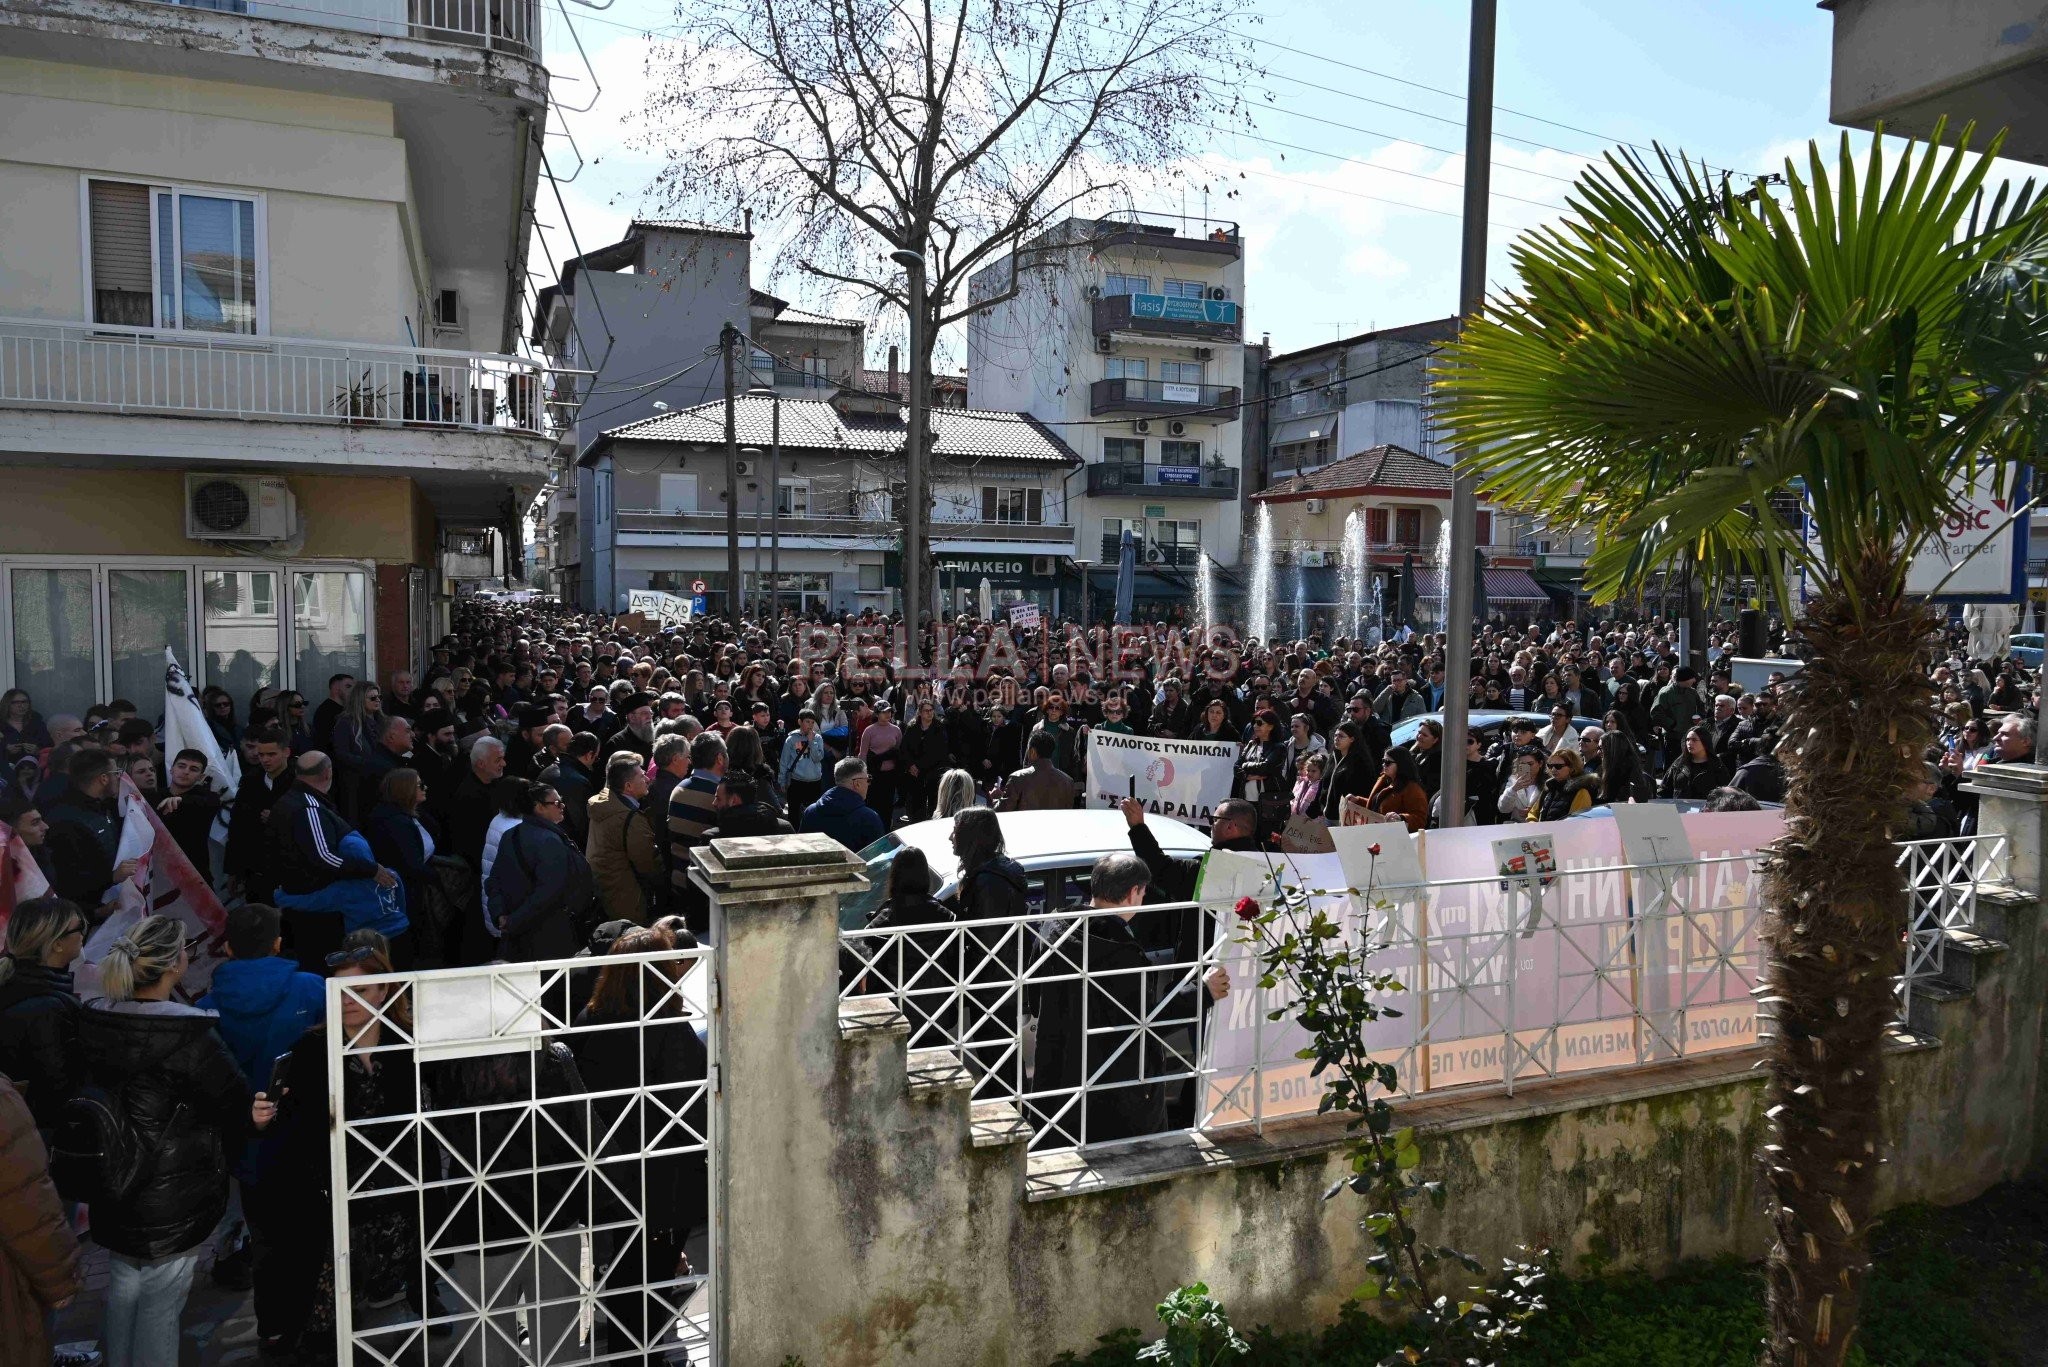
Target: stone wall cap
x=2009, y=780
x=810, y=858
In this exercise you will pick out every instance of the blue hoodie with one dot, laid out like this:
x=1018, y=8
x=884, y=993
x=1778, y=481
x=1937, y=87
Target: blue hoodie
x=265, y=1005
x=841, y=814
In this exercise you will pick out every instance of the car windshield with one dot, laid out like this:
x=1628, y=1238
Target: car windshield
x=856, y=908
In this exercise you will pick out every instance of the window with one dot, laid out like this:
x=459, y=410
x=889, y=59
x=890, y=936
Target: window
x=1376, y=525
x=1123, y=450
x=676, y=493
x=1186, y=289
x=1408, y=526
x=871, y=578
x=793, y=498
x=332, y=626
x=240, y=621
x=1114, y=283
x=1180, y=453
x=1113, y=538
x=1178, y=543
x=53, y=639
x=1123, y=367
x=1020, y=505
x=1483, y=526
x=763, y=366
x=166, y=257
x=147, y=610
x=1180, y=372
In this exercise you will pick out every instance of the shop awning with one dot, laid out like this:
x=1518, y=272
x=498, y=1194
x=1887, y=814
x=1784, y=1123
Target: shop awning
x=1502, y=586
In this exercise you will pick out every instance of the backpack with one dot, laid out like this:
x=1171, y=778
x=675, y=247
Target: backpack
x=94, y=1156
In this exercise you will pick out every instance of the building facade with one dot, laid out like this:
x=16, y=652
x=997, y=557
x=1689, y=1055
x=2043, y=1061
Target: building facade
x=1328, y=403
x=1125, y=336
x=820, y=500
x=261, y=272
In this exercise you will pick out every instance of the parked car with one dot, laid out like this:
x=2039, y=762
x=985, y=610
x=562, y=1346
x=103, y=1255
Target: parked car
x=1056, y=849
x=2026, y=649
x=1486, y=725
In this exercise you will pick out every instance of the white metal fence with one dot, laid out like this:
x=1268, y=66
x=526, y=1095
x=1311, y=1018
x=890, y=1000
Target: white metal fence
x=52, y=364
x=1087, y=1029
x=1942, y=878
x=530, y=1181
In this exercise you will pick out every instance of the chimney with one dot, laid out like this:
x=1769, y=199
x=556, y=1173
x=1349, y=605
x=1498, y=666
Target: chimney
x=892, y=371
x=747, y=217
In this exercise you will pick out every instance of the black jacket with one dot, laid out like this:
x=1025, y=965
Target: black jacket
x=665, y=1057
x=303, y=1176
x=187, y=1105
x=304, y=844
x=928, y=749
x=756, y=819
x=1118, y=992
x=575, y=783
x=967, y=741
x=540, y=892
x=192, y=823
x=39, y=1038
x=395, y=840
x=1351, y=776
x=246, y=827
x=1686, y=779
x=84, y=836
x=997, y=888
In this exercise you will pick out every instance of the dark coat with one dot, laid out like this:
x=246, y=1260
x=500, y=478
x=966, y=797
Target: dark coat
x=39, y=1038
x=997, y=888
x=84, y=836
x=549, y=1136
x=38, y=1251
x=841, y=814
x=576, y=784
x=246, y=827
x=396, y=842
x=1120, y=989
x=665, y=1056
x=192, y=823
x=1560, y=800
x=927, y=750
x=1352, y=776
x=303, y=1175
x=304, y=844
x=187, y=1105
x=1686, y=779
x=967, y=741
x=756, y=819
x=540, y=892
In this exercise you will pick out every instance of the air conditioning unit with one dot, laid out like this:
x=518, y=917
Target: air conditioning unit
x=1203, y=353
x=448, y=309
x=1092, y=293
x=239, y=508
x=1102, y=345
x=1142, y=426
x=1176, y=429
x=1315, y=560
x=1045, y=566
x=1155, y=556
x=743, y=468
x=1218, y=292
x=1316, y=505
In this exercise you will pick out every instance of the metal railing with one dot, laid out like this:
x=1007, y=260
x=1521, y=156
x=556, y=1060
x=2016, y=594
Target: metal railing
x=838, y=524
x=1187, y=481
x=1217, y=402
x=530, y=1189
x=1942, y=879
x=1072, y=1029
x=500, y=25
x=93, y=366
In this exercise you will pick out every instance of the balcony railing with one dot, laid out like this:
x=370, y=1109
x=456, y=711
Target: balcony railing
x=1308, y=402
x=1163, y=481
x=1170, y=234
x=102, y=368
x=500, y=25
x=1160, y=315
x=942, y=529
x=1215, y=402
x=1155, y=554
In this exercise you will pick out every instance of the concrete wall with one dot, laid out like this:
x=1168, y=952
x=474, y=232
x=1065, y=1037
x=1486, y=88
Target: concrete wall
x=1912, y=62
x=331, y=171
x=867, y=1221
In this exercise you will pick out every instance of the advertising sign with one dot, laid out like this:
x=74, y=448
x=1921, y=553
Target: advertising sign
x=1181, y=310
x=1180, y=474
x=1982, y=537
x=1180, y=393
x=1183, y=779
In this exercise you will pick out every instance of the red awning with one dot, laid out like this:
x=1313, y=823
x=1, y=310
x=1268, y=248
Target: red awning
x=1502, y=586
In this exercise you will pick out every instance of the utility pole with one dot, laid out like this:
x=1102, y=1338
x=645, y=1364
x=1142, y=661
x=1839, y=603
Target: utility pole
x=1464, y=566
x=729, y=343
x=914, y=463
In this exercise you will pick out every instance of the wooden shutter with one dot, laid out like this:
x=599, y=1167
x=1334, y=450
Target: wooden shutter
x=121, y=284
x=1034, y=506
x=988, y=503
x=1376, y=525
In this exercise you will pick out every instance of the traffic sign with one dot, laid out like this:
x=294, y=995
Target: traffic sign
x=698, y=586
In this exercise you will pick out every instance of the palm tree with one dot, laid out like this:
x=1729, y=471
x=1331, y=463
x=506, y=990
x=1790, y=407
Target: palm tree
x=1675, y=353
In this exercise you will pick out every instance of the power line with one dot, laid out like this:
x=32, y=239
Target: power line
x=1376, y=166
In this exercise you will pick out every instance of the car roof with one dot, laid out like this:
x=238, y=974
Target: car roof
x=1477, y=719
x=1036, y=839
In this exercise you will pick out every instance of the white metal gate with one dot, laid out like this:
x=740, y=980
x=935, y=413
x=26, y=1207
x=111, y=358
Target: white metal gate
x=519, y=1179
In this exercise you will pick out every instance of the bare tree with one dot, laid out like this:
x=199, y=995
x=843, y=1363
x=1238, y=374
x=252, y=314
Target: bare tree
x=960, y=132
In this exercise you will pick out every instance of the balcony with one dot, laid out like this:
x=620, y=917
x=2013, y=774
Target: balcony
x=106, y=369
x=1309, y=402
x=511, y=26
x=1111, y=479
x=878, y=531
x=1159, y=315
x=1170, y=235
x=1216, y=402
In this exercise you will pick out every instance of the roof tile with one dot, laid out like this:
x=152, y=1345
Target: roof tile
x=1379, y=467
x=815, y=425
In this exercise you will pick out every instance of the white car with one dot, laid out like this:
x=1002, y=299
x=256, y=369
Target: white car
x=1056, y=850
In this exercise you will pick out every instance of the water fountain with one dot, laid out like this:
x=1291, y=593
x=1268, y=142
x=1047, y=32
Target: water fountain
x=1205, y=591
x=1297, y=551
x=1352, y=562
x=1443, y=572
x=1258, y=617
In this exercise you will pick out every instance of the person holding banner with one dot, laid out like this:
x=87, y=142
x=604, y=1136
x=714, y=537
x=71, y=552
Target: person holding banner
x=85, y=835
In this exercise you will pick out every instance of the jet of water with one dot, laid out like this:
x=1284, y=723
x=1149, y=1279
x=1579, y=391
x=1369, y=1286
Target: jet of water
x=1259, y=609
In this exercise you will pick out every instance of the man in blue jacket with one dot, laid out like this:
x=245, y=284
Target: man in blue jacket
x=843, y=813
x=265, y=1005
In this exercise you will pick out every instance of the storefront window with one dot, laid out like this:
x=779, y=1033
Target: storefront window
x=240, y=608
x=146, y=611
x=53, y=657
x=329, y=621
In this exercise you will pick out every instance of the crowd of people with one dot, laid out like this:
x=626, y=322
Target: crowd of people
x=536, y=791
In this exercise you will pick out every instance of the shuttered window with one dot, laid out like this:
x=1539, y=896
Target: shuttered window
x=121, y=280
x=1016, y=505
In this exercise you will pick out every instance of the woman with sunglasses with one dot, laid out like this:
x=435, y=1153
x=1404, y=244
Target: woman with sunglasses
x=1398, y=792
x=1567, y=787
x=217, y=705
x=39, y=1006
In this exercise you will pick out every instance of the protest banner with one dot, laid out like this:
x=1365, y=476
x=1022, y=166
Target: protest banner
x=663, y=609
x=165, y=884
x=1023, y=615
x=1183, y=779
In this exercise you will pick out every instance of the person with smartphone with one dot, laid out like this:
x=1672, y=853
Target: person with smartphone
x=804, y=760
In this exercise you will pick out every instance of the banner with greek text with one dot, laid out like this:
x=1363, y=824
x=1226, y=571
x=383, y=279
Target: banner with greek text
x=1183, y=779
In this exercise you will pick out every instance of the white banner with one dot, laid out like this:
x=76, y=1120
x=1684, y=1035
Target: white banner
x=1023, y=615
x=664, y=609
x=1183, y=779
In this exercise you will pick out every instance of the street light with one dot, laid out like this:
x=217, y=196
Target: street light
x=913, y=461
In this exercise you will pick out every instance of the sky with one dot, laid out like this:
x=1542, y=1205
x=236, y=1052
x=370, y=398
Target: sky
x=1355, y=225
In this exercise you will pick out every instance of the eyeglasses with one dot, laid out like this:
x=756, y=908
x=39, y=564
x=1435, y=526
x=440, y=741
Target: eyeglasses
x=342, y=958
x=1558, y=768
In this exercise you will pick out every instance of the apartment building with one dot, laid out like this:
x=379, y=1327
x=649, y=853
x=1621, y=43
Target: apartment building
x=820, y=493
x=1125, y=336
x=1327, y=403
x=644, y=316
x=261, y=269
